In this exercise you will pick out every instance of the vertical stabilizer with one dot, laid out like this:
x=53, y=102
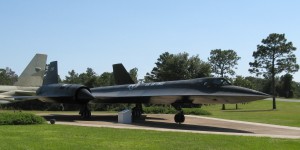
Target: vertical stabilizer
x=121, y=75
x=51, y=76
x=34, y=72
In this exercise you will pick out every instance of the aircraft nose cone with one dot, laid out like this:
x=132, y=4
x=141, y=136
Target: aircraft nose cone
x=256, y=93
x=248, y=92
x=85, y=95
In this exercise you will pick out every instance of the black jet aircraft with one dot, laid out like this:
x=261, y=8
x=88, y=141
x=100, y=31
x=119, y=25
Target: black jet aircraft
x=177, y=93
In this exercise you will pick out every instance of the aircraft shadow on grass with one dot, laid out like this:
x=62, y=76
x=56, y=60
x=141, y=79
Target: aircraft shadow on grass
x=144, y=123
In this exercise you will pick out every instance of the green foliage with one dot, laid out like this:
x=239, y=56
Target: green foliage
x=223, y=61
x=133, y=74
x=285, y=88
x=296, y=87
x=171, y=110
x=19, y=118
x=274, y=56
x=243, y=82
x=89, y=78
x=195, y=111
x=73, y=78
x=260, y=84
x=159, y=110
x=7, y=77
x=178, y=67
x=286, y=81
x=116, y=107
x=106, y=79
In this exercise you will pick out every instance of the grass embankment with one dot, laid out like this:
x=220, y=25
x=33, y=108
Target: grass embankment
x=257, y=111
x=172, y=110
x=73, y=137
x=287, y=113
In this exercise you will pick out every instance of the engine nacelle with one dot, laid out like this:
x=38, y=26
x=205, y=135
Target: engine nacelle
x=65, y=93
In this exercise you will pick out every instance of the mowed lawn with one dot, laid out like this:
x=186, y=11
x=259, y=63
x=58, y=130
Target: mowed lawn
x=73, y=137
x=287, y=113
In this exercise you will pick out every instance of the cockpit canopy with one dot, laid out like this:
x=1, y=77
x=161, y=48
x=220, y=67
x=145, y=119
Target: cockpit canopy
x=215, y=82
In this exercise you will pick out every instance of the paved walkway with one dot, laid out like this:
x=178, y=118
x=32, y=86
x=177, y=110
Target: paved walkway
x=194, y=124
x=284, y=100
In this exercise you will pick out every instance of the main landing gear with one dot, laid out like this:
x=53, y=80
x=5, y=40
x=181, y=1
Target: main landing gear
x=137, y=111
x=85, y=111
x=179, y=117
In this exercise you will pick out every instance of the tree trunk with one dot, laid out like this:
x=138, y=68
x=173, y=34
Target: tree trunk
x=223, y=106
x=273, y=92
x=273, y=80
x=274, y=103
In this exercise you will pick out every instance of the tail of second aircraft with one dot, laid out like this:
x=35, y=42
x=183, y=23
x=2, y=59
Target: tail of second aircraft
x=121, y=75
x=34, y=72
x=51, y=76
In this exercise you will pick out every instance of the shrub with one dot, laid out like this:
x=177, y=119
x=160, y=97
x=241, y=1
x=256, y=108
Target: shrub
x=159, y=110
x=195, y=111
x=171, y=110
x=19, y=118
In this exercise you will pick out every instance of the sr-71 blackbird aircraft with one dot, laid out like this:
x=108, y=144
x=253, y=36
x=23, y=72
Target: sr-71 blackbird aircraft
x=177, y=93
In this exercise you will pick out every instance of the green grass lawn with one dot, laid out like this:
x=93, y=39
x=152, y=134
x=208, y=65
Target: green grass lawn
x=73, y=137
x=287, y=113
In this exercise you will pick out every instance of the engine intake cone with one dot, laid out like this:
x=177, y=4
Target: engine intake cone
x=85, y=95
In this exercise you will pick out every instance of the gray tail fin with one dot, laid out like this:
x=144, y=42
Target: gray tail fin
x=121, y=75
x=34, y=72
x=51, y=76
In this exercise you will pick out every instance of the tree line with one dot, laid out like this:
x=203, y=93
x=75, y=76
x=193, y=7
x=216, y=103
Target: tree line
x=274, y=56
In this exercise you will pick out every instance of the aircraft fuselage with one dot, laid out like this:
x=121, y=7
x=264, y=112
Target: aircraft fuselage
x=196, y=91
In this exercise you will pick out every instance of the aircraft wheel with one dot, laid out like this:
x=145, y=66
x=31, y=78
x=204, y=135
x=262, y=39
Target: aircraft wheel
x=136, y=113
x=179, y=118
x=86, y=114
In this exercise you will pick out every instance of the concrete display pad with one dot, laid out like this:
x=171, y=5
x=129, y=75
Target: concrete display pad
x=194, y=124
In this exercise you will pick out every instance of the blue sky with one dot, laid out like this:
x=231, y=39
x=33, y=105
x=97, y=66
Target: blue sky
x=97, y=34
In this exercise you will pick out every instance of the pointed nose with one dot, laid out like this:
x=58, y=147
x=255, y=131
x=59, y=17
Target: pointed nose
x=245, y=91
x=84, y=95
x=255, y=93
